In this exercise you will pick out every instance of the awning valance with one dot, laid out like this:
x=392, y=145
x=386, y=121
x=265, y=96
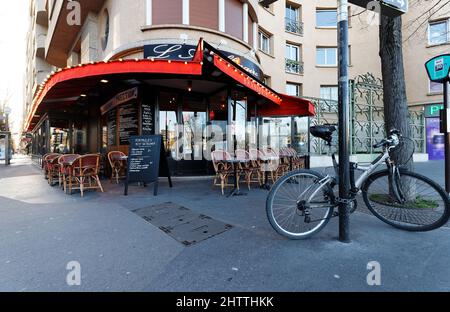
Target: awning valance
x=290, y=106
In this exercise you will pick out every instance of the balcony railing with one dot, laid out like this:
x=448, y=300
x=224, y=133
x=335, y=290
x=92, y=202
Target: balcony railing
x=293, y=66
x=294, y=26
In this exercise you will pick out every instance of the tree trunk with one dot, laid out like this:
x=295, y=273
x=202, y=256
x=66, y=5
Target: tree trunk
x=394, y=95
x=395, y=102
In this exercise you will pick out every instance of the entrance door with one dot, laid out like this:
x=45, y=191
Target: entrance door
x=193, y=144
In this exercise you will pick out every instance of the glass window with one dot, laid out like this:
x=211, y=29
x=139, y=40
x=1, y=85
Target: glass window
x=293, y=64
x=194, y=121
x=292, y=19
x=436, y=87
x=329, y=93
x=293, y=89
x=239, y=104
x=329, y=96
x=437, y=32
x=300, y=134
x=264, y=42
x=326, y=56
x=168, y=121
x=292, y=52
x=278, y=132
x=326, y=18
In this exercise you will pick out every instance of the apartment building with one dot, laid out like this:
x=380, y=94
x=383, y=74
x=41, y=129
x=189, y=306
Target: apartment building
x=290, y=46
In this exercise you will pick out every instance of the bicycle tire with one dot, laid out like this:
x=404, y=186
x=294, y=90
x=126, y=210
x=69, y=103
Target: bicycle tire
x=325, y=189
x=415, y=209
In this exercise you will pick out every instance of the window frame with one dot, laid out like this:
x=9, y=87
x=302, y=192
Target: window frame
x=430, y=23
x=326, y=57
x=298, y=88
x=431, y=92
x=262, y=34
x=326, y=10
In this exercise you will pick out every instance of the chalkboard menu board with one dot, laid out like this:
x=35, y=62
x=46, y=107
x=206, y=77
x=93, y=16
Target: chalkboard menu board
x=111, y=121
x=148, y=123
x=128, y=123
x=146, y=161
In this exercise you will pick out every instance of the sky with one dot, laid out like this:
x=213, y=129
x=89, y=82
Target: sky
x=13, y=31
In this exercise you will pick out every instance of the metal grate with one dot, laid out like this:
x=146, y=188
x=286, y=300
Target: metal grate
x=182, y=224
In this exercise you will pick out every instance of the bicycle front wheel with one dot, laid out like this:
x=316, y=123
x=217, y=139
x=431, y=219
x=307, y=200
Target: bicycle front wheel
x=406, y=200
x=299, y=204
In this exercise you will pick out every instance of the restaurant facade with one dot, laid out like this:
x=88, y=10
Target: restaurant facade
x=193, y=79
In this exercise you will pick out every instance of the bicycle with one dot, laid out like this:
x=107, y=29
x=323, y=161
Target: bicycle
x=302, y=202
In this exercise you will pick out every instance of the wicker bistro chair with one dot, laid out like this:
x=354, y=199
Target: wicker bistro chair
x=255, y=157
x=84, y=172
x=222, y=168
x=298, y=162
x=272, y=166
x=248, y=169
x=52, y=168
x=45, y=162
x=285, y=161
x=118, y=166
x=64, y=169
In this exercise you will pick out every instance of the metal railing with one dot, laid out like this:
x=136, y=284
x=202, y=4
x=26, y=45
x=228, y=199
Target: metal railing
x=293, y=26
x=293, y=66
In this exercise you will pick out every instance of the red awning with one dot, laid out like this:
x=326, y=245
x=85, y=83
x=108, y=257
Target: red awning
x=290, y=106
x=66, y=85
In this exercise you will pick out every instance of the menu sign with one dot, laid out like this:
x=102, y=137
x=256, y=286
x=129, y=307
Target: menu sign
x=111, y=121
x=128, y=123
x=146, y=161
x=148, y=125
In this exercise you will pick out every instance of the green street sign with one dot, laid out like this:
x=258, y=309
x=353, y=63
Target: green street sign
x=433, y=110
x=438, y=68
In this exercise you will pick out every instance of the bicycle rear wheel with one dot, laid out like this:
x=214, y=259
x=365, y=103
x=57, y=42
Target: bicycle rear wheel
x=298, y=205
x=408, y=201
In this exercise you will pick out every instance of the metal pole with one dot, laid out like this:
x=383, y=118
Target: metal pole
x=7, y=148
x=447, y=139
x=344, y=117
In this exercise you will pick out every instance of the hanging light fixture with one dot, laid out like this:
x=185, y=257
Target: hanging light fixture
x=189, y=85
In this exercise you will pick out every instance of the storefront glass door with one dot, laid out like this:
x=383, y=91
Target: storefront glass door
x=168, y=105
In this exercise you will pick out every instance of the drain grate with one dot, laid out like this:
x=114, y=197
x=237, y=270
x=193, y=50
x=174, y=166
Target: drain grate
x=182, y=224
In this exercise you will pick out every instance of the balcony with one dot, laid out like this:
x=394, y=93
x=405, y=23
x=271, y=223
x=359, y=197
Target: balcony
x=294, y=67
x=41, y=13
x=294, y=26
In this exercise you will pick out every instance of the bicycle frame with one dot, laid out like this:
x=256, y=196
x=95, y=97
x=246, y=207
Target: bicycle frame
x=356, y=186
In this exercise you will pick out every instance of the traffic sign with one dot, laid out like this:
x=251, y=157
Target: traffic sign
x=438, y=68
x=7, y=110
x=390, y=8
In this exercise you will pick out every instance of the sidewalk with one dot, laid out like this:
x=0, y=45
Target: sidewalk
x=42, y=229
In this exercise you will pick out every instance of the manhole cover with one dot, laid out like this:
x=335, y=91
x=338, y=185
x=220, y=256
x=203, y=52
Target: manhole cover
x=182, y=224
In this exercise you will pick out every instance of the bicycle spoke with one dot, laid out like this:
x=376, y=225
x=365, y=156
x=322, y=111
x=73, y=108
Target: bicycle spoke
x=297, y=206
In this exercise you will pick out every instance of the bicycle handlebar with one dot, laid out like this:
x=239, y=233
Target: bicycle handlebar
x=392, y=140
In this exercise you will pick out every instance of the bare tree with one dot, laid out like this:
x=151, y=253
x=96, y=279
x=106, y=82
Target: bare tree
x=396, y=114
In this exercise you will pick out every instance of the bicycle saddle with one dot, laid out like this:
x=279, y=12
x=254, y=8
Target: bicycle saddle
x=325, y=132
